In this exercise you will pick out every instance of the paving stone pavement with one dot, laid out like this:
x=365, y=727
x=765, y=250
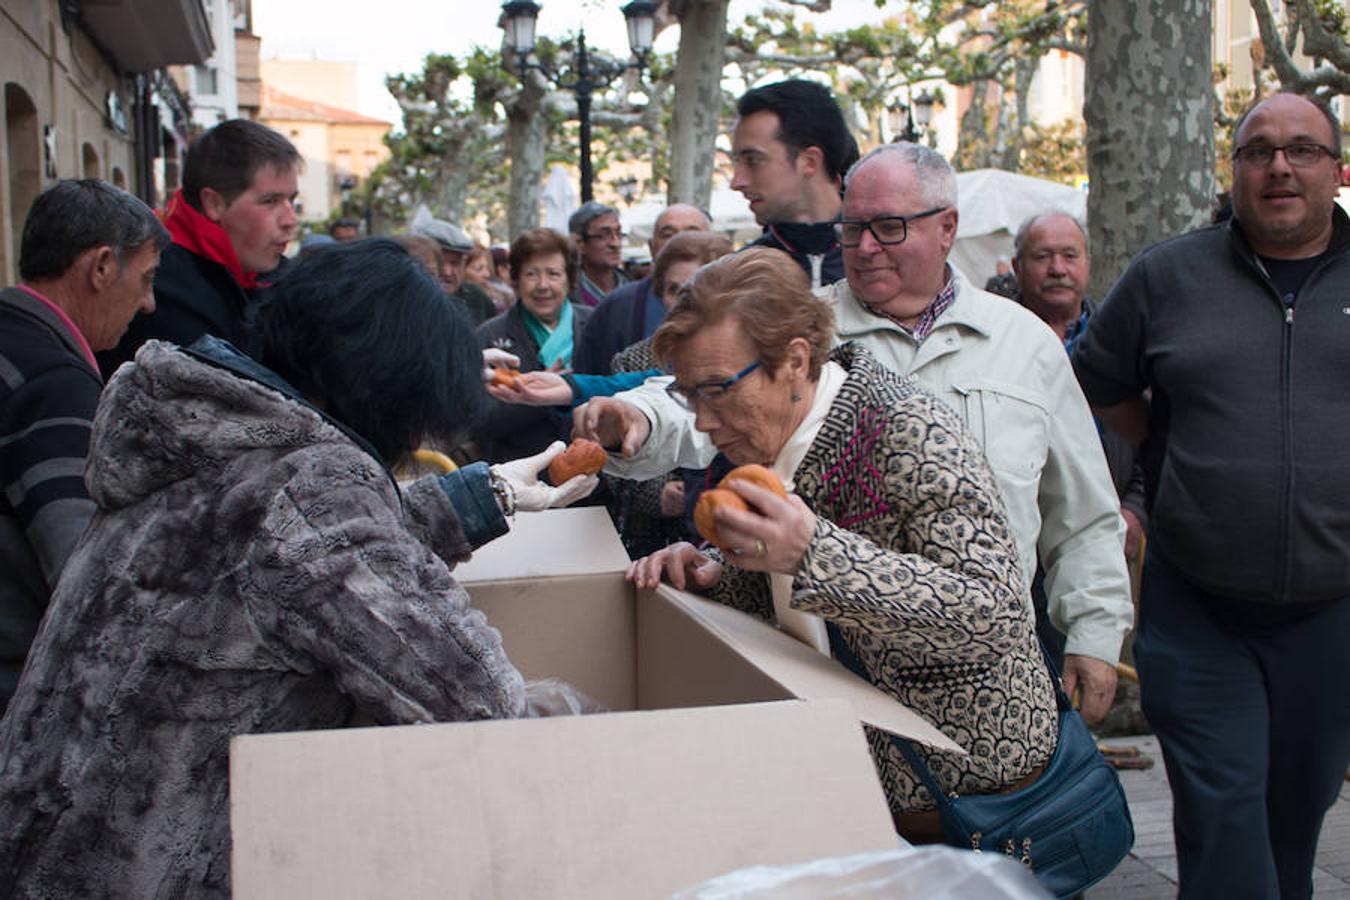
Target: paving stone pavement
x=1150, y=871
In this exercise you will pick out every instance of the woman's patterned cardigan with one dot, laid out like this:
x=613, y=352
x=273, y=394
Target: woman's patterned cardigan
x=913, y=562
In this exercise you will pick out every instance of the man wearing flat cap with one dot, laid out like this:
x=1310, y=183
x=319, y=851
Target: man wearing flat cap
x=454, y=246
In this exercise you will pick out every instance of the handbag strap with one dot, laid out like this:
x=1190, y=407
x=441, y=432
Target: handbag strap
x=844, y=653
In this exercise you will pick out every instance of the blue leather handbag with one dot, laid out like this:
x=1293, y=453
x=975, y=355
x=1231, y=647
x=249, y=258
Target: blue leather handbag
x=1071, y=826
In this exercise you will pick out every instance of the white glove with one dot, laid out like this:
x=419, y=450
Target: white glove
x=494, y=357
x=532, y=494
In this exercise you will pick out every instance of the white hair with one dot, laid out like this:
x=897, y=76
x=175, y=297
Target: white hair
x=935, y=176
x=1030, y=222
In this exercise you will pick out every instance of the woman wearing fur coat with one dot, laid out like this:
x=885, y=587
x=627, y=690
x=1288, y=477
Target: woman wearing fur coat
x=254, y=567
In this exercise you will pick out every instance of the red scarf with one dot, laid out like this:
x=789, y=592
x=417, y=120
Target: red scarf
x=195, y=232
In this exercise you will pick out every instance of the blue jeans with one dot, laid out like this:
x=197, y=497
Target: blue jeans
x=1250, y=706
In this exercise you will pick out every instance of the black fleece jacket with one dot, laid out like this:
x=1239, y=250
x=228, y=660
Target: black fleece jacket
x=1246, y=458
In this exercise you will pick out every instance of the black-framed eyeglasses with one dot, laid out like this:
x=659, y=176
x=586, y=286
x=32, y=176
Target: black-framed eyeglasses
x=605, y=234
x=711, y=393
x=1300, y=155
x=886, y=229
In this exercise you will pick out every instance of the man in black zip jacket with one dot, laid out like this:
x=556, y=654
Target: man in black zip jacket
x=790, y=149
x=1241, y=331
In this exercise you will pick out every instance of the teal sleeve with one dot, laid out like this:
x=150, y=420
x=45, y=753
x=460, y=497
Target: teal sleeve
x=587, y=387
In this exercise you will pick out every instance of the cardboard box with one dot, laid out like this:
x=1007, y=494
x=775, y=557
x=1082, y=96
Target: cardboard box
x=624, y=804
x=555, y=589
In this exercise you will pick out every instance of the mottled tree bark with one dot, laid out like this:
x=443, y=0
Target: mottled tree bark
x=1149, y=110
x=974, y=147
x=1014, y=132
x=696, y=116
x=526, y=139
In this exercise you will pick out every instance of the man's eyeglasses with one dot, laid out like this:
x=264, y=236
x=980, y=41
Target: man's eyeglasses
x=886, y=229
x=605, y=234
x=1299, y=155
x=711, y=393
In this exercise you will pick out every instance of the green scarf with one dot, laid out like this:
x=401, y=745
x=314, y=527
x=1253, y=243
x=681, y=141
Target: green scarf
x=555, y=344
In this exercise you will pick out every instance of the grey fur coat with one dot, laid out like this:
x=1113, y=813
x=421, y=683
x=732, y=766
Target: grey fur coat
x=251, y=568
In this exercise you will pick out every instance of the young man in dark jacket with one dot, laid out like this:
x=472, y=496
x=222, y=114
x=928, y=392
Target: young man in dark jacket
x=231, y=220
x=1240, y=332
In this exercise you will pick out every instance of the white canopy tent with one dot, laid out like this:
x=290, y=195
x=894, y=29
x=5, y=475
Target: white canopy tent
x=993, y=203
x=559, y=199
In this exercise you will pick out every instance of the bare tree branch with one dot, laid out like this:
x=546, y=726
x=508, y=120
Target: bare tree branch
x=1278, y=55
x=1332, y=77
x=1318, y=41
x=819, y=6
x=738, y=54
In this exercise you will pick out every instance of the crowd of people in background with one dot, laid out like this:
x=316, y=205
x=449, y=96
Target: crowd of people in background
x=204, y=536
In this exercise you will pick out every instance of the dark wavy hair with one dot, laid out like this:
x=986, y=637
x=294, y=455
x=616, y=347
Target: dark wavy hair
x=364, y=333
x=808, y=116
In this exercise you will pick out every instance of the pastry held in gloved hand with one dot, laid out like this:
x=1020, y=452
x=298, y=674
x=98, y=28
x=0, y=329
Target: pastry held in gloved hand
x=530, y=494
x=495, y=356
x=582, y=457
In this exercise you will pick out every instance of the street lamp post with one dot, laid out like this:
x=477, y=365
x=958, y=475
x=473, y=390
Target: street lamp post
x=585, y=74
x=627, y=188
x=918, y=113
x=923, y=110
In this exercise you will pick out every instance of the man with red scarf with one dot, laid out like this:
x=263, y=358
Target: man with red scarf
x=230, y=221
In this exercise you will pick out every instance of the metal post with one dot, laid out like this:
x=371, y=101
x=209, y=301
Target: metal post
x=583, y=92
x=145, y=138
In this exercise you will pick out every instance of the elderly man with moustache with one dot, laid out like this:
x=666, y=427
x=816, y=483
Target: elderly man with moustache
x=1053, y=265
x=992, y=361
x=633, y=311
x=1239, y=331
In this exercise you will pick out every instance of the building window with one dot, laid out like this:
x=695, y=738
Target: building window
x=23, y=140
x=89, y=161
x=206, y=80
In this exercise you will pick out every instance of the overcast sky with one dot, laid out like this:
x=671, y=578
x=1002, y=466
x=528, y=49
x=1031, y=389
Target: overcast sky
x=401, y=33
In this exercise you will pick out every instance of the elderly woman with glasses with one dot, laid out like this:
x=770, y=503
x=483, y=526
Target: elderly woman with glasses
x=892, y=550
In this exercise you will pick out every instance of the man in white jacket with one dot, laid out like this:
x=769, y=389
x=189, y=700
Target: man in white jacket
x=999, y=366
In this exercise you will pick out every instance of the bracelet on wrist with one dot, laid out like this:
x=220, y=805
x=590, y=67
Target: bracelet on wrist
x=505, y=494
